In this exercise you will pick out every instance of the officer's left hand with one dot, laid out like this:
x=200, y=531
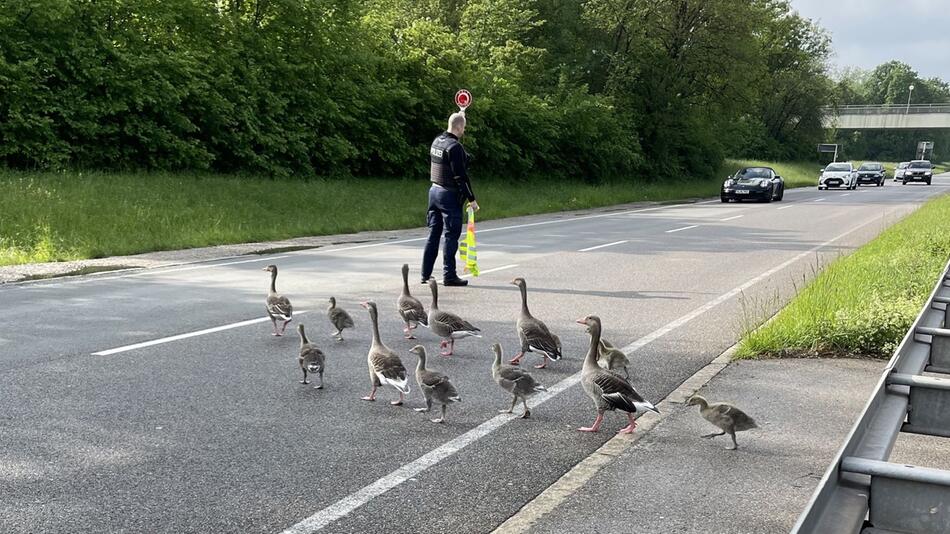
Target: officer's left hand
x=474, y=205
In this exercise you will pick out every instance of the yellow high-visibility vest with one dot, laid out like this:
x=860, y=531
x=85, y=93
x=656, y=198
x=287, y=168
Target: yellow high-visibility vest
x=468, y=253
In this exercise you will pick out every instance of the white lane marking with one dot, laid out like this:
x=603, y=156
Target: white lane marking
x=346, y=505
x=483, y=245
x=681, y=229
x=734, y=217
x=819, y=200
x=786, y=207
x=845, y=194
x=185, y=336
x=732, y=293
x=233, y=325
x=707, y=202
x=496, y=269
x=602, y=246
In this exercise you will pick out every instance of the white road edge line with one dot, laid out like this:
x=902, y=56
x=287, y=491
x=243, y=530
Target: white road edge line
x=786, y=207
x=496, y=269
x=845, y=194
x=588, y=249
x=683, y=228
x=196, y=267
x=346, y=505
x=734, y=217
x=169, y=339
x=819, y=200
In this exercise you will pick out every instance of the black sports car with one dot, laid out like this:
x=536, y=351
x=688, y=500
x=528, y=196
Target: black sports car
x=871, y=173
x=753, y=183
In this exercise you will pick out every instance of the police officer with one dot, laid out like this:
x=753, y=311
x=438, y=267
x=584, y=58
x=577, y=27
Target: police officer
x=450, y=188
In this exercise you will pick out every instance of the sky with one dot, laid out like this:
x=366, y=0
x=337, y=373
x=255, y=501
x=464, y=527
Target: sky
x=866, y=33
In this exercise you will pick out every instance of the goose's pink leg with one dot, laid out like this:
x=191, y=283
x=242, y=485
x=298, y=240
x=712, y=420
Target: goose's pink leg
x=596, y=426
x=276, y=333
x=543, y=364
x=450, y=343
x=371, y=396
x=517, y=359
x=284, y=326
x=630, y=427
x=408, y=331
x=398, y=402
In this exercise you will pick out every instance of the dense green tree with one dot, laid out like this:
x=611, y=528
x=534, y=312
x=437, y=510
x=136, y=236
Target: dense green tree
x=594, y=89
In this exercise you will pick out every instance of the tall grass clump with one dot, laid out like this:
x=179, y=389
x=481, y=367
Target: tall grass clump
x=863, y=304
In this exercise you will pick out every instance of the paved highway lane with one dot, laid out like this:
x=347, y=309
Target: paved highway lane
x=212, y=432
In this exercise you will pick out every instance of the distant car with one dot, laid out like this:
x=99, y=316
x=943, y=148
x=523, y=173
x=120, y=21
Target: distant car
x=753, y=183
x=919, y=170
x=838, y=175
x=871, y=173
x=899, y=171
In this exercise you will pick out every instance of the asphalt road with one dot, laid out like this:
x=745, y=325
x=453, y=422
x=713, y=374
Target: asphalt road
x=213, y=433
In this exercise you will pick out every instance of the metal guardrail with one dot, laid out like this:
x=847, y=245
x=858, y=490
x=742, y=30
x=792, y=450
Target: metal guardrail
x=887, y=109
x=864, y=493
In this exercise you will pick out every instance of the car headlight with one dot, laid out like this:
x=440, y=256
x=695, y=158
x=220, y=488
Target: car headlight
x=928, y=173
x=763, y=183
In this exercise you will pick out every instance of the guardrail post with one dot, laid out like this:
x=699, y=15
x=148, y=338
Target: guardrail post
x=946, y=309
x=905, y=498
x=939, y=346
x=929, y=409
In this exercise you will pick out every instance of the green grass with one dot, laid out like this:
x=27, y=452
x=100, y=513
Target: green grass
x=863, y=304
x=67, y=216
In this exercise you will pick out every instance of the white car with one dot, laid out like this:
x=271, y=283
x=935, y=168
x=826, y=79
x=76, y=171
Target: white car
x=899, y=171
x=838, y=175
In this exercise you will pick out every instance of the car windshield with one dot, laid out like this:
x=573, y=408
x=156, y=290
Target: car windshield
x=920, y=165
x=838, y=167
x=870, y=167
x=902, y=166
x=752, y=172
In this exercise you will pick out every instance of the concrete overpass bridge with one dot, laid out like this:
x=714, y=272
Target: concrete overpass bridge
x=888, y=116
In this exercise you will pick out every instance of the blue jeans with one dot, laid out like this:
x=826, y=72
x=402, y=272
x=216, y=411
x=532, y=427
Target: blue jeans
x=445, y=214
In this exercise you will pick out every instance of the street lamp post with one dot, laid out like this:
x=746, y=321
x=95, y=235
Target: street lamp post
x=908, y=98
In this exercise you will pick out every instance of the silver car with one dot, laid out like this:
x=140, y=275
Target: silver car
x=899, y=171
x=838, y=175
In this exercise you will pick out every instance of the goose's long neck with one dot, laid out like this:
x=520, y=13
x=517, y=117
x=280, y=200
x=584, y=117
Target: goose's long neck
x=524, y=299
x=591, y=358
x=375, y=320
x=435, y=296
x=405, y=282
x=421, y=366
x=303, y=338
x=273, y=281
x=497, y=362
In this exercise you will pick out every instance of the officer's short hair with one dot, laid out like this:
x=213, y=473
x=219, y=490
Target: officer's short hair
x=456, y=120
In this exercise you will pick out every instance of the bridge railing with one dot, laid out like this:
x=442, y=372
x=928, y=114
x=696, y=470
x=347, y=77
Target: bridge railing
x=887, y=109
x=862, y=492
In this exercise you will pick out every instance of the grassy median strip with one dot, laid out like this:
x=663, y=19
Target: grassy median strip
x=863, y=304
x=68, y=216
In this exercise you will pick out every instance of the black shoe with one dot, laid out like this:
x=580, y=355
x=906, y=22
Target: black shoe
x=425, y=281
x=455, y=282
